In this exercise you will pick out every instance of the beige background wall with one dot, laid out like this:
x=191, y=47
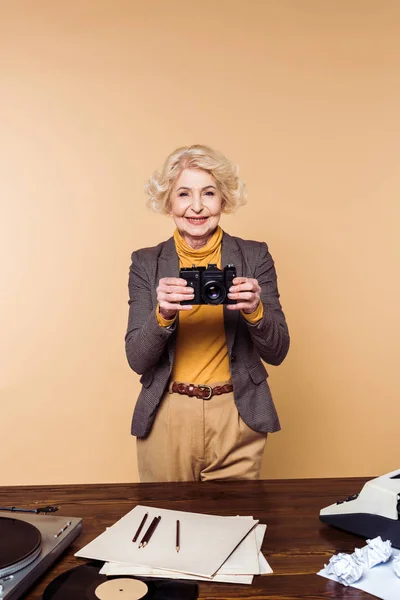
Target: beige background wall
x=304, y=95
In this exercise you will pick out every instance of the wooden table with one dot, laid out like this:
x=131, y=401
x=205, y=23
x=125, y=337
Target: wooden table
x=296, y=543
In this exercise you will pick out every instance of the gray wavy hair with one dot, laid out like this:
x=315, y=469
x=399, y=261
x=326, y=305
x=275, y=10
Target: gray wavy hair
x=224, y=172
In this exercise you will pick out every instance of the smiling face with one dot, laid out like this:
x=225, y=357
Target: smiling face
x=195, y=205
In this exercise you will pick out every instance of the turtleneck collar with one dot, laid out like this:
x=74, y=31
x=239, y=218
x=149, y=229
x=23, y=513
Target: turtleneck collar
x=186, y=252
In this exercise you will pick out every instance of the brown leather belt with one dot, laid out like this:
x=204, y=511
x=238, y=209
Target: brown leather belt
x=204, y=392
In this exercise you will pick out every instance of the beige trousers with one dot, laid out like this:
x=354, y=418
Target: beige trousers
x=199, y=440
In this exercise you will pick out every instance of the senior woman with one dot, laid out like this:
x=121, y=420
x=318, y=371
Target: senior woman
x=205, y=408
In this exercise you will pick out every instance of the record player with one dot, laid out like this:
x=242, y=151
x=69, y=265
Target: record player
x=29, y=544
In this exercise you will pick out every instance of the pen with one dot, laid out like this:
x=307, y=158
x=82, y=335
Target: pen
x=177, y=545
x=149, y=532
x=140, y=527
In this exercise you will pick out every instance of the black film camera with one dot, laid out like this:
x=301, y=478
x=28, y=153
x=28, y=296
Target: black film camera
x=210, y=285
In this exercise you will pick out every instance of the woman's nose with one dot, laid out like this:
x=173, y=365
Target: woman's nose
x=197, y=203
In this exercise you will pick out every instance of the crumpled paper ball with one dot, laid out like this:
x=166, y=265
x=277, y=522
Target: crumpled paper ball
x=396, y=565
x=345, y=568
x=377, y=551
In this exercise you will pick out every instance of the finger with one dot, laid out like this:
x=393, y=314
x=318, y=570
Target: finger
x=249, y=296
x=233, y=307
x=174, y=289
x=174, y=307
x=174, y=297
x=241, y=306
x=238, y=280
x=248, y=284
x=243, y=287
x=172, y=281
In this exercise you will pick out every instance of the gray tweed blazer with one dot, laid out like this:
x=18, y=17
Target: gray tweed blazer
x=150, y=349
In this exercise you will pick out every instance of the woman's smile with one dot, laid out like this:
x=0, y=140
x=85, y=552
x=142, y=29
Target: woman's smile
x=197, y=220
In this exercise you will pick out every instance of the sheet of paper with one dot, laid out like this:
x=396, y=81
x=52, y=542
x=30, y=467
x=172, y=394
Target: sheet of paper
x=115, y=569
x=206, y=541
x=263, y=564
x=244, y=560
x=221, y=576
x=237, y=562
x=380, y=581
x=265, y=568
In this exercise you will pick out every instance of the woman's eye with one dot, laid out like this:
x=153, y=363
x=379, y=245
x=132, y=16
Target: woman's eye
x=182, y=194
x=209, y=193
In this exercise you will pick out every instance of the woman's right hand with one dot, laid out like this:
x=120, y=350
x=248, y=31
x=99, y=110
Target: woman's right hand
x=170, y=292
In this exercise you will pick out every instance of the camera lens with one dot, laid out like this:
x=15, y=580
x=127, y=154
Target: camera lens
x=213, y=292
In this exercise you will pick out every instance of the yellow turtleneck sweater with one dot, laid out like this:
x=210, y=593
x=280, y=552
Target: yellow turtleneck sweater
x=201, y=352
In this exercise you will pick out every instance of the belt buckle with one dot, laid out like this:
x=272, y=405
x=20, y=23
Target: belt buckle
x=210, y=391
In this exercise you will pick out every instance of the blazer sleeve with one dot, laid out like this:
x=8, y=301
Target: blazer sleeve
x=145, y=339
x=270, y=335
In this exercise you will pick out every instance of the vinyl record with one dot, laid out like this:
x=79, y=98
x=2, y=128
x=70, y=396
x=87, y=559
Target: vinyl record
x=81, y=583
x=20, y=544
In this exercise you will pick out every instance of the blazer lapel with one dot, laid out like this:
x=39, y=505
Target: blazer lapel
x=168, y=266
x=231, y=255
x=168, y=261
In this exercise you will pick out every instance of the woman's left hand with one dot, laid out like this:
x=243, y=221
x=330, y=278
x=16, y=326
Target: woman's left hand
x=246, y=292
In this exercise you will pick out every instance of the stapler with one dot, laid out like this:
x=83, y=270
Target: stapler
x=373, y=511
